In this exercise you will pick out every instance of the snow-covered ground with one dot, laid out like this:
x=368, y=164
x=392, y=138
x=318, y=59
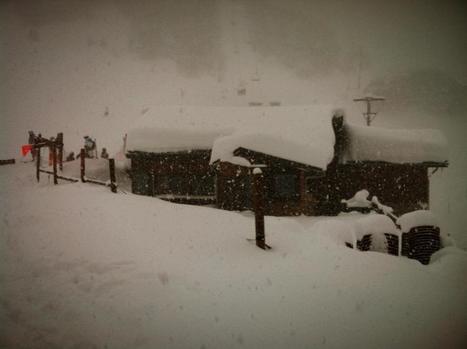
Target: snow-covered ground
x=84, y=268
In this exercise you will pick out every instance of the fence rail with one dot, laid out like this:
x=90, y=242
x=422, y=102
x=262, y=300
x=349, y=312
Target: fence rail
x=7, y=162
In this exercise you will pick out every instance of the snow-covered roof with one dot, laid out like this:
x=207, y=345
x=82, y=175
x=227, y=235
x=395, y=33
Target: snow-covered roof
x=302, y=134
x=365, y=143
x=158, y=139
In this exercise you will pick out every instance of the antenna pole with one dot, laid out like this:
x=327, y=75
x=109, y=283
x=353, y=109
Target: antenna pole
x=369, y=115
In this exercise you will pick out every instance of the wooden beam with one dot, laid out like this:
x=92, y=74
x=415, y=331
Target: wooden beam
x=60, y=150
x=7, y=162
x=82, y=164
x=38, y=163
x=113, y=180
x=54, y=162
x=258, y=204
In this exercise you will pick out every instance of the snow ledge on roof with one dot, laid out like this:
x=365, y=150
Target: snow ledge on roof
x=394, y=145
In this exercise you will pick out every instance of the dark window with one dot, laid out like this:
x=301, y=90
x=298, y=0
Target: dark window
x=285, y=185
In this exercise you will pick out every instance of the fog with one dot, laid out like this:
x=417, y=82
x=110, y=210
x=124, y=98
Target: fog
x=93, y=67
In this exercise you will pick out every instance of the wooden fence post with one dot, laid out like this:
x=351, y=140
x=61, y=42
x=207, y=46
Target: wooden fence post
x=38, y=163
x=54, y=161
x=113, y=180
x=258, y=204
x=60, y=150
x=82, y=166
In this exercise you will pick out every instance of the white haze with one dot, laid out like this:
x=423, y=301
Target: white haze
x=94, y=67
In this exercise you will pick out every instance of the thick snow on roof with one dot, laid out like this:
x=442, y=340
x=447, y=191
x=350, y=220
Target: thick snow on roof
x=303, y=134
x=171, y=140
x=394, y=145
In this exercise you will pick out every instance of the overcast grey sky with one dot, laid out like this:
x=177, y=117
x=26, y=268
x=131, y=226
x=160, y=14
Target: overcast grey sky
x=309, y=37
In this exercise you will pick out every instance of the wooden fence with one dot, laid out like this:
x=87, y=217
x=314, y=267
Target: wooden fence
x=55, y=146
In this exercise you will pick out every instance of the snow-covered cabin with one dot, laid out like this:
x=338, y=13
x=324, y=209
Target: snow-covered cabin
x=392, y=164
x=310, y=160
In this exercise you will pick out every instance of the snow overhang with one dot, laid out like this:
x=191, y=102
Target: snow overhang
x=402, y=146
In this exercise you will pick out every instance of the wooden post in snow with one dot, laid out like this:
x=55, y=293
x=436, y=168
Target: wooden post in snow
x=53, y=148
x=60, y=150
x=82, y=164
x=113, y=180
x=258, y=204
x=38, y=163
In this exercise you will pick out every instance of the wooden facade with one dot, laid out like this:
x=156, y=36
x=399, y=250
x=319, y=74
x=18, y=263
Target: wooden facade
x=183, y=177
x=285, y=185
x=289, y=188
x=403, y=186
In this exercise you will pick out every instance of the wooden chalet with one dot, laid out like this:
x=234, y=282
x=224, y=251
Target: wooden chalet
x=392, y=164
x=309, y=173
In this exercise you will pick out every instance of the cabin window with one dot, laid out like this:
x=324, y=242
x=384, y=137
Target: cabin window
x=285, y=185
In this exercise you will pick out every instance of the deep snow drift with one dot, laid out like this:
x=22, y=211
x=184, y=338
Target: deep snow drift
x=84, y=268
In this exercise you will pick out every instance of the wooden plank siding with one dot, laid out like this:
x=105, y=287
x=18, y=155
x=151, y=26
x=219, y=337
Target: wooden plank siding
x=404, y=187
x=175, y=176
x=285, y=185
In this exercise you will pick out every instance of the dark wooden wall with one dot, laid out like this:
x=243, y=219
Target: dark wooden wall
x=234, y=185
x=156, y=174
x=404, y=187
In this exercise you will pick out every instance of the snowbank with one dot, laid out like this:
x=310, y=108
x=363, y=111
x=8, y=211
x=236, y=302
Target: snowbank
x=92, y=269
x=301, y=134
x=374, y=224
x=416, y=218
x=394, y=145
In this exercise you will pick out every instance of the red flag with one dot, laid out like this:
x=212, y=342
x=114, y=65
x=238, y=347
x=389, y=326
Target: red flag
x=25, y=149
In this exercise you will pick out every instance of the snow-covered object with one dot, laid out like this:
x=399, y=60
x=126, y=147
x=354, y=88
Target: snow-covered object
x=376, y=225
x=300, y=133
x=385, y=209
x=257, y=171
x=415, y=219
x=394, y=145
x=360, y=199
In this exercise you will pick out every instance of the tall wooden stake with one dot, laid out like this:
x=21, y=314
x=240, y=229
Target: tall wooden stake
x=60, y=150
x=113, y=180
x=258, y=202
x=82, y=166
x=54, y=161
x=38, y=163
